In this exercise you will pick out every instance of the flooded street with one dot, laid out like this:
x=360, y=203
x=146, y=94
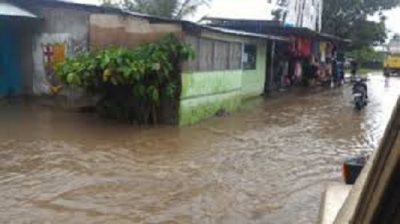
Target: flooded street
x=267, y=163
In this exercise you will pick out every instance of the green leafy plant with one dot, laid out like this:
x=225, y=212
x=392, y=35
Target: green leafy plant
x=129, y=83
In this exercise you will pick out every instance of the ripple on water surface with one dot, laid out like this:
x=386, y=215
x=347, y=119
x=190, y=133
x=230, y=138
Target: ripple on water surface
x=267, y=163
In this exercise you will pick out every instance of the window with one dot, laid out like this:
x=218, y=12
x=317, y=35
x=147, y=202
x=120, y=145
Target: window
x=214, y=55
x=221, y=55
x=206, y=55
x=193, y=64
x=250, y=57
x=235, y=56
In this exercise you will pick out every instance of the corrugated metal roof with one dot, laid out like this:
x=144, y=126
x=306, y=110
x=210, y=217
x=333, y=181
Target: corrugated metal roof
x=247, y=34
x=151, y=18
x=270, y=28
x=7, y=9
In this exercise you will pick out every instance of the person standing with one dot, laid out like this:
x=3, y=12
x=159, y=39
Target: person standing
x=340, y=72
x=354, y=67
x=340, y=65
x=335, y=75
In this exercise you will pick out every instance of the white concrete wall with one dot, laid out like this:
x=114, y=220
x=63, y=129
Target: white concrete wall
x=63, y=33
x=304, y=13
x=41, y=80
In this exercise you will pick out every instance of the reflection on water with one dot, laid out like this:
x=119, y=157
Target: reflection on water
x=267, y=163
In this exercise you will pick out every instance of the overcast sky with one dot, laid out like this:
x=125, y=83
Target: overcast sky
x=257, y=9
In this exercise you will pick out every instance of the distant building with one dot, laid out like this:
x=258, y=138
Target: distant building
x=301, y=13
x=394, y=44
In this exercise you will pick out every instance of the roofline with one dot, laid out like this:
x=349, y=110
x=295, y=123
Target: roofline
x=151, y=18
x=245, y=34
x=187, y=25
x=232, y=19
x=307, y=31
x=61, y=3
x=88, y=8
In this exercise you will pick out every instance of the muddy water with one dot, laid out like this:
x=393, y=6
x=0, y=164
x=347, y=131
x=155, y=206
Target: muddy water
x=268, y=163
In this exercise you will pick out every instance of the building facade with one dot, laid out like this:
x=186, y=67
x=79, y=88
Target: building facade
x=229, y=67
x=301, y=13
x=394, y=45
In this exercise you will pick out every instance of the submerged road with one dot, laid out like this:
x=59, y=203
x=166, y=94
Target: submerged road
x=267, y=163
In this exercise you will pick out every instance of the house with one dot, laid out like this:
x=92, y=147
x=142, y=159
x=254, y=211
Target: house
x=230, y=65
x=290, y=62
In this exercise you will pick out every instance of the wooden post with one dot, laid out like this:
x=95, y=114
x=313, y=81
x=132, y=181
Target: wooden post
x=271, y=81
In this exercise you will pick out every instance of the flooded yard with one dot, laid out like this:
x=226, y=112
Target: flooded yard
x=267, y=163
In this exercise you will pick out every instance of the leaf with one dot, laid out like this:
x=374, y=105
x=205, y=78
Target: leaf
x=77, y=81
x=170, y=90
x=154, y=94
x=120, y=60
x=71, y=77
x=126, y=72
x=105, y=62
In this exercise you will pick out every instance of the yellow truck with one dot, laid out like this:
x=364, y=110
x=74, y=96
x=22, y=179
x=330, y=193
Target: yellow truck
x=391, y=63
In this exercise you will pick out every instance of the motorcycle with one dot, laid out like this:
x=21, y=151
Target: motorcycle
x=359, y=96
x=359, y=100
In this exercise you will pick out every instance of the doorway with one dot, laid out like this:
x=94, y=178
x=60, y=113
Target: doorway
x=10, y=75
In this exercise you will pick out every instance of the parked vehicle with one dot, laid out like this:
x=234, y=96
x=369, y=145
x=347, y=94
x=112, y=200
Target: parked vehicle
x=391, y=63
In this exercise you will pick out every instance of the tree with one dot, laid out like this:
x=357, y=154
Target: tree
x=366, y=54
x=175, y=9
x=348, y=19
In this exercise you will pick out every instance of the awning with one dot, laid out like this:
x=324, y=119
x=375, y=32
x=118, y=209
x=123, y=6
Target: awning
x=7, y=9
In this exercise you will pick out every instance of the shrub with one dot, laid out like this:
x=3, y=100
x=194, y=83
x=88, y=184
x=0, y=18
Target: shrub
x=129, y=83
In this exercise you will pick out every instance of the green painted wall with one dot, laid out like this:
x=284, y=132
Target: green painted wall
x=196, y=109
x=205, y=93
x=197, y=84
x=253, y=81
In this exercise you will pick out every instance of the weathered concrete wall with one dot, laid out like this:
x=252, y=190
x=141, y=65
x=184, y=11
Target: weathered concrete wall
x=62, y=33
x=121, y=30
x=206, y=93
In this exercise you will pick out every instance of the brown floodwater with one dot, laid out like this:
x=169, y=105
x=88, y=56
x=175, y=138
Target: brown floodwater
x=267, y=163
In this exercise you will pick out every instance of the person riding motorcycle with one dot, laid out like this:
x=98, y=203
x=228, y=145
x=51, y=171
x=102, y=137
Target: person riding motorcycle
x=354, y=67
x=360, y=86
